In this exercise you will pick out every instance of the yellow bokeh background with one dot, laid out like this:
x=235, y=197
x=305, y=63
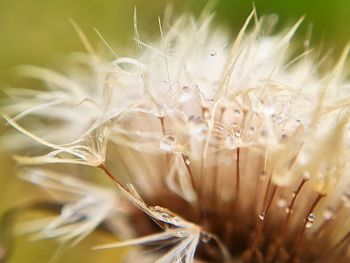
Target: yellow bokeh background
x=38, y=32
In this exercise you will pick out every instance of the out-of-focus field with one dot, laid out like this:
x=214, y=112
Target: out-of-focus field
x=38, y=32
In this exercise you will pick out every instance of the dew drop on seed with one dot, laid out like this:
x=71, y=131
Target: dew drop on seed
x=185, y=89
x=213, y=53
x=288, y=210
x=234, y=124
x=311, y=217
x=205, y=237
x=238, y=134
x=230, y=142
x=294, y=194
x=187, y=160
x=262, y=216
x=281, y=202
x=167, y=143
x=165, y=217
x=236, y=112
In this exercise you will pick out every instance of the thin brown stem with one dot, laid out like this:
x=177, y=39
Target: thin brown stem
x=193, y=183
x=329, y=254
x=238, y=176
x=302, y=231
x=263, y=219
x=162, y=125
x=215, y=188
x=289, y=213
x=115, y=180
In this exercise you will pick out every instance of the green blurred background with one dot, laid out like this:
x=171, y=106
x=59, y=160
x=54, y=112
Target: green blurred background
x=38, y=32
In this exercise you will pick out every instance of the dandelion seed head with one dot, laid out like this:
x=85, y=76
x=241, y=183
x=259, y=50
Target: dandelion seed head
x=232, y=147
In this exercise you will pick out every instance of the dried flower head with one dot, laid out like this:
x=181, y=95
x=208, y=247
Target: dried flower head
x=218, y=151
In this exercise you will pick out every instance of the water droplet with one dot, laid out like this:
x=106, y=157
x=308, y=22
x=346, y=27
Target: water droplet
x=166, y=217
x=236, y=112
x=234, y=124
x=205, y=237
x=294, y=194
x=262, y=216
x=185, y=89
x=187, y=160
x=288, y=210
x=251, y=130
x=328, y=214
x=284, y=136
x=167, y=143
x=281, y=202
x=238, y=134
x=311, y=217
x=213, y=52
x=310, y=220
x=230, y=142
